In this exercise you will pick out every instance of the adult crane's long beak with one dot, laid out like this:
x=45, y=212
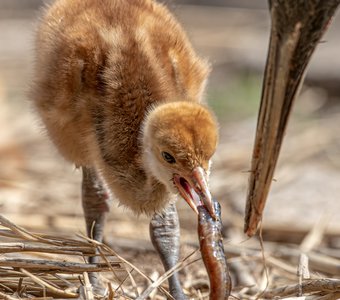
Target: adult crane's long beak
x=296, y=29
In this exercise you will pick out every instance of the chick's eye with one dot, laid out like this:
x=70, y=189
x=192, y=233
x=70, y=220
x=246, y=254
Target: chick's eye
x=168, y=157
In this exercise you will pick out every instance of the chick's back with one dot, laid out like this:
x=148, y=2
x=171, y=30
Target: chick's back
x=101, y=65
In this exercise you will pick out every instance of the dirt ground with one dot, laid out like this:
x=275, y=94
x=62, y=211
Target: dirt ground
x=41, y=192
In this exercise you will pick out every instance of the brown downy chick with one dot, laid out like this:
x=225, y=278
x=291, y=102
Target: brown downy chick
x=118, y=87
x=102, y=66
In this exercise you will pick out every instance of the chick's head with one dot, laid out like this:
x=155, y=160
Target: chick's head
x=179, y=139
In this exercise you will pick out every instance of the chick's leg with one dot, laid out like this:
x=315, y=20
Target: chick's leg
x=95, y=202
x=164, y=232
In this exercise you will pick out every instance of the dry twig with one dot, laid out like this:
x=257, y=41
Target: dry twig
x=309, y=286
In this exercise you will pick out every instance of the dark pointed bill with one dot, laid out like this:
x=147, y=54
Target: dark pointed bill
x=296, y=29
x=195, y=191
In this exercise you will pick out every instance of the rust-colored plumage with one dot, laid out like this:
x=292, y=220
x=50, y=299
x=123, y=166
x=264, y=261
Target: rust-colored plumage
x=118, y=87
x=102, y=68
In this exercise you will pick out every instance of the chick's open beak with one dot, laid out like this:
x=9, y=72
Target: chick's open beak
x=194, y=190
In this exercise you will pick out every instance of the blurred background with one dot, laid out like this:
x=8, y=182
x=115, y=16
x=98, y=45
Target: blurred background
x=40, y=191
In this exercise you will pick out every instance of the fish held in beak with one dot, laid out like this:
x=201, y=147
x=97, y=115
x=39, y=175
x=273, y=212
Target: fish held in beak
x=195, y=191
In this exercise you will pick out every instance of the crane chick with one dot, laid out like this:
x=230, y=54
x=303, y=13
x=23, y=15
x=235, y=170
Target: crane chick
x=119, y=89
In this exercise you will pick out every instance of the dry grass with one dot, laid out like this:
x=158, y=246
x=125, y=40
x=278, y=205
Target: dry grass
x=23, y=274
x=55, y=267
